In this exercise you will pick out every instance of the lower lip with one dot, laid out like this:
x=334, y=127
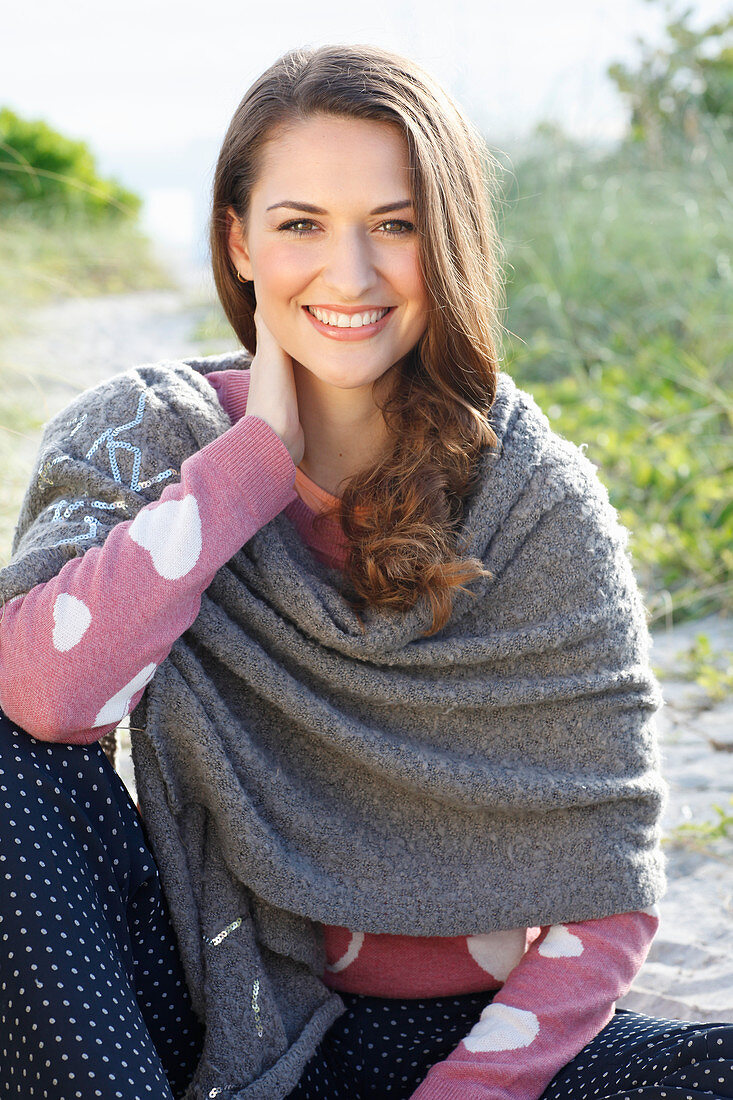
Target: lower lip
x=362, y=333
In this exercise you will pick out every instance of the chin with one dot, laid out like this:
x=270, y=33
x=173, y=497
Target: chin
x=343, y=375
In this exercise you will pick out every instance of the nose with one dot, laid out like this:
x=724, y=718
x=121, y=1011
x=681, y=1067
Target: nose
x=349, y=266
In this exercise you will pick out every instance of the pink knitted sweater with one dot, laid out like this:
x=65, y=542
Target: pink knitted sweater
x=71, y=651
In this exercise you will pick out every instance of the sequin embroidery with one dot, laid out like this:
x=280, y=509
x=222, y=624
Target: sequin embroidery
x=256, y=1007
x=64, y=509
x=113, y=444
x=216, y=940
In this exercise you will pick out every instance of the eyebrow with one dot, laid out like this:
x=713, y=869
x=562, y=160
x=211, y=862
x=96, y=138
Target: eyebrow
x=308, y=208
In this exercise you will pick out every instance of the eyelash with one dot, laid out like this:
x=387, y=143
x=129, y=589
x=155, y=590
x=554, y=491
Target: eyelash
x=287, y=227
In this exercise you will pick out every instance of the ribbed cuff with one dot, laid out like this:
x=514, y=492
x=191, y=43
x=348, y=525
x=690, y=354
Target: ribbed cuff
x=232, y=389
x=253, y=459
x=435, y=1089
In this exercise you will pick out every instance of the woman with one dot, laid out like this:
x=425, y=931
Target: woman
x=392, y=714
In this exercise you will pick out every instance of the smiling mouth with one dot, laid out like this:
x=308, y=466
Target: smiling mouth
x=348, y=320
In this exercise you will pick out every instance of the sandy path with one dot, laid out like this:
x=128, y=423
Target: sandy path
x=77, y=343
x=689, y=972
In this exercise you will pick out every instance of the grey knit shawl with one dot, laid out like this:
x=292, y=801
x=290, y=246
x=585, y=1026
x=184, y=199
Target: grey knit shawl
x=293, y=770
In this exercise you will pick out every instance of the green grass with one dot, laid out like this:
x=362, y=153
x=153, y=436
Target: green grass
x=43, y=259
x=704, y=836
x=620, y=300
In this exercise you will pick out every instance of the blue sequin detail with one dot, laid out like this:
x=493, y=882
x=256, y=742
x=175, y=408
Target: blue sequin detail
x=64, y=508
x=69, y=507
x=109, y=437
x=78, y=422
x=74, y=505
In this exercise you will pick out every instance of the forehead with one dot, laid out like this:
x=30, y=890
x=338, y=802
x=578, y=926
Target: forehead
x=327, y=158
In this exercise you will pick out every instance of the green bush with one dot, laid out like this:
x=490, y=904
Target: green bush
x=677, y=87
x=620, y=299
x=43, y=170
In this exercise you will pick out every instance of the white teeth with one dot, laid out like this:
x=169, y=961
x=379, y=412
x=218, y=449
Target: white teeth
x=347, y=320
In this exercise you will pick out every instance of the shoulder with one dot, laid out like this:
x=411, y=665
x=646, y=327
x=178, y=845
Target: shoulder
x=533, y=467
x=549, y=532
x=535, y=481
x=539, y=458
x=169, y=396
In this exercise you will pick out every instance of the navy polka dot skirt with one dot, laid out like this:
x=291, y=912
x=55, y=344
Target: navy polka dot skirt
x=93, y=999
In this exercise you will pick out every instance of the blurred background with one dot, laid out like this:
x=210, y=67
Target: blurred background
x=612, y=123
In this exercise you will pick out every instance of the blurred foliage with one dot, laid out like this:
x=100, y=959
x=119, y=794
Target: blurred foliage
x=64, y=231
x=620, y=307
x=703, y=835
x=709, y=668
x=67, y=256
x=679, y=85
x=43, y=170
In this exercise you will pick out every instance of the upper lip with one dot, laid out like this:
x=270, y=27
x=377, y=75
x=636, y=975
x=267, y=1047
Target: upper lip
x=345, y=309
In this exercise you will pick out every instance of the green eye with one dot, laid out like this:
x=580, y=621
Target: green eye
x=290, y=226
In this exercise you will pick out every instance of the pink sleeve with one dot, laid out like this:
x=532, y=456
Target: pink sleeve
x=77, y=651
x=556, y=999
x=232, y=388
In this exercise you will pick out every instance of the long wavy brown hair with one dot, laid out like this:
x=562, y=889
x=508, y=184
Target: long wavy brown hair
x=402, y=516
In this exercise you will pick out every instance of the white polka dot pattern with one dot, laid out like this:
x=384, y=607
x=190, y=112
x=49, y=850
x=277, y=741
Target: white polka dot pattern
x=560, y=943
x=502, y=1027
x=71, y=619
x=93, y=1000
x=498, y=952
x=171, y=533
x=115, y=709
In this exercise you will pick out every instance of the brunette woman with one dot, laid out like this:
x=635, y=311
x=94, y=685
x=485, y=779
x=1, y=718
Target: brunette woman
x=386, y=663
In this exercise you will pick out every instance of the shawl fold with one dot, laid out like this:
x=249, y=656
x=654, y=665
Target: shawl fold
x=294, y=769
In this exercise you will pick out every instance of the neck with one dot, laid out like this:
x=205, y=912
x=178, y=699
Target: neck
x=344, y=430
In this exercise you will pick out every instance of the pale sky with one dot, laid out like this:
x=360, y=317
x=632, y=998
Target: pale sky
x=152, y=85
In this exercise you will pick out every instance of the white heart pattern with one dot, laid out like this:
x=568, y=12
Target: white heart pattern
x=171, y=533
x=71, y=619
x=349, y=955
x=115, y=709
x=502, y=1027
x=498, y=952
x=560, y=943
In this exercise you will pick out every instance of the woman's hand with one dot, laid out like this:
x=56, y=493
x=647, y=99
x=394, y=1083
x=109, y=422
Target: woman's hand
x=272, y=395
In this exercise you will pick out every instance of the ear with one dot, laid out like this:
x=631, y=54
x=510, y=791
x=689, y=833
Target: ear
x=236, y=243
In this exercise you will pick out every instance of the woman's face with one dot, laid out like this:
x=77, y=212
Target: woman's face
x=331, y=229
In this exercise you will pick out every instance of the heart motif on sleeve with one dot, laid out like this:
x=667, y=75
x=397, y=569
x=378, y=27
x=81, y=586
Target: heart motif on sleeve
x=498, y=952
x=502, y=1027
x=560, y=943
x=71, y=619
x=350, y=954
x=115, y=709
x=171, y=533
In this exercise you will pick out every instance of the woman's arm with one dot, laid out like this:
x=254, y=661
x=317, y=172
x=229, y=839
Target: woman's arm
x=555, y=1000
x=77, y=651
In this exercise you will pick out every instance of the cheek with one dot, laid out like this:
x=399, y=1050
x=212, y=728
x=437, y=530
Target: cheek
x=411, y=281
x=280, y=272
